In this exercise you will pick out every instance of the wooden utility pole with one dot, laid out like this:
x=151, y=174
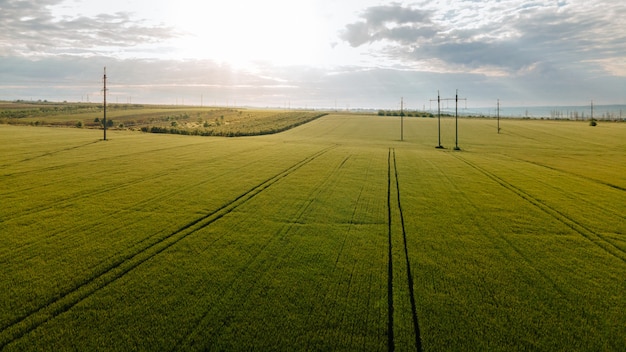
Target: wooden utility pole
x=104, y=119
x=439, y=146
x=456, y=118
x=402, y=118
x=456, y=99
x=498, y=116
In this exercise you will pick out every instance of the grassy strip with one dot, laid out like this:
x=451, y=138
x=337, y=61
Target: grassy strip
x=196, y=121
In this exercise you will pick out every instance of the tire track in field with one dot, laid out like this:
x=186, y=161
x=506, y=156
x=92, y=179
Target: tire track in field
x=392, y=164
x=58, y=151
x=76, y=163
x=110, y=272
x=346, y=288
x=587, y=178
x=352, y=217
x=390, y=335
x=526, y=258
x=128, y=183
x=604, y=183
x=226, y=292
x=579, y=228
x=48, y=154
x=598, y=206
x=77, y=229
x=88, y=193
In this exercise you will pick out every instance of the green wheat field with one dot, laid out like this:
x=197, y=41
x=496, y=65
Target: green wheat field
x=334, y=235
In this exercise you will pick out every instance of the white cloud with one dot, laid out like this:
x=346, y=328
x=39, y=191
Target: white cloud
x=512, y=35
x=313, y=53
x=31, y=29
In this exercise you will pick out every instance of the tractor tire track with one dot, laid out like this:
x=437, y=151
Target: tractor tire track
x=392, y=202
x=110, y=272
x=80, y=162
x=600, y=182
x=88, y=193
x=391, y=346
x=599, y=206
x=58, y=151
x=579, y=228
x=416, y=328
x=78, y=228
x=494, y=240
x=352, y=218
x=250, y=283
x=35, y=157
x=578, y=176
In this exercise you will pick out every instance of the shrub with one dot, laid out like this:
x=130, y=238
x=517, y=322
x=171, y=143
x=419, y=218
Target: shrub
x=79, y=124
x=593, y=122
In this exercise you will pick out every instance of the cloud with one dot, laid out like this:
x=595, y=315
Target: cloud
x=392, y=22
x=73, y=78
x=31, y=29
x=494, y=36
x=528, y=52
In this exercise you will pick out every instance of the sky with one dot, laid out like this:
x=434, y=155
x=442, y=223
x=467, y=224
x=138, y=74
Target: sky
x=315, y=53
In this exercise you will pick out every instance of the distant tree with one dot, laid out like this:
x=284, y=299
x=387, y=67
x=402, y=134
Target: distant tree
x=110, y=123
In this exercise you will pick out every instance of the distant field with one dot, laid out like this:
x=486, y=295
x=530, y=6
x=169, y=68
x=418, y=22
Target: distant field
x=334, y=235
x=172, y=119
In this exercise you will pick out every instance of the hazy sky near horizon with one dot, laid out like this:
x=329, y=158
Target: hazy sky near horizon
x=322, y=53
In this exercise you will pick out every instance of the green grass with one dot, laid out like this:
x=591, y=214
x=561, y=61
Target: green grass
x=334, y=235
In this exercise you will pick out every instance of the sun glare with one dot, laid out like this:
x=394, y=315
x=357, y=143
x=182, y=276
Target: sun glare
x=278, y=32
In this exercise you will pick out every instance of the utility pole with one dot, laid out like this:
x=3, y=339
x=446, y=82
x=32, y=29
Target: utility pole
x=104, y=119
x=439, y=146
x=591, y=110
x=456, y=99
x=402, y=119
x=498, y=116
x=456, y=118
